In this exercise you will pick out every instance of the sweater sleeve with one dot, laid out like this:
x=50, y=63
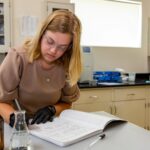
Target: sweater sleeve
x=10, y=74
x=70, y=93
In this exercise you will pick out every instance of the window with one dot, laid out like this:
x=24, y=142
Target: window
x=110, y=23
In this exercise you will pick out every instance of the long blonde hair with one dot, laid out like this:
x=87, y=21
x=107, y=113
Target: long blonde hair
x=65, y=22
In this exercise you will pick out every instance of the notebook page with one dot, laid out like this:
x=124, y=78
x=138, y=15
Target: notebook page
x=62, y=131
x=95, y=120
x=71, y=126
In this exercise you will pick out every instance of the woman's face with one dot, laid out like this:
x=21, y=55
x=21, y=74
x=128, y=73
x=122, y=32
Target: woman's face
x=54, y=45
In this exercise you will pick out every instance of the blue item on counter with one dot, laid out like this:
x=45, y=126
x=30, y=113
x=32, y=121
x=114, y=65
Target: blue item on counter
x=107, y=76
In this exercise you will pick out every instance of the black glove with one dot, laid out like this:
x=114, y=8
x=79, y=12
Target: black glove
x=12, y=119
x=44, y=114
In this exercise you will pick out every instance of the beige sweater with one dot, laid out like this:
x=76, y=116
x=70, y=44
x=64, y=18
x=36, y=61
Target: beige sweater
x=33, y=86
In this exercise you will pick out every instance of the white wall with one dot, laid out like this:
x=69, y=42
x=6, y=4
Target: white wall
x=130, y=59
x=22, y=8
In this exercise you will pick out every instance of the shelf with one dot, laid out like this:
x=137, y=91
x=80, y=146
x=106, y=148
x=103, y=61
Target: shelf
x=4, y=25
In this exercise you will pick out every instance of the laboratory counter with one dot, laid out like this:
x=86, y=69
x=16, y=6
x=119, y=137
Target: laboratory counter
x=112, y=84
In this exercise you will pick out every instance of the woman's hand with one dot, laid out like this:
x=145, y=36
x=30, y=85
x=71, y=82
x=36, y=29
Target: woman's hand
x=44, y=114
x=12, y=119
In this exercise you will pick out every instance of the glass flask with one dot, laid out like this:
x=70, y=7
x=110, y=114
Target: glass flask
x=20, y=139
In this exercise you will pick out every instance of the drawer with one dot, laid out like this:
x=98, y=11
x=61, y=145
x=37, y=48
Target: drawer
x=90, y=96
x=129, y=93
x=92, y=107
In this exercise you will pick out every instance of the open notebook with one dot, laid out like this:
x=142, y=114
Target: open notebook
x=72, y=126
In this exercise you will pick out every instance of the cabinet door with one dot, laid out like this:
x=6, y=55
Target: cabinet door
x=133, y=111
x=4, y=25
x=148, y=109
x=94, y=100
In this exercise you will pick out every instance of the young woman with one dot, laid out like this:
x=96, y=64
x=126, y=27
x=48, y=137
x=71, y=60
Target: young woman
x=43, y=73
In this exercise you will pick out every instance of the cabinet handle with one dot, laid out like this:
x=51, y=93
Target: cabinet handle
x=132, y=94
x=93, y=96
x=111, y=109
x=115, y=112
x=147, y=128
x=147, y=105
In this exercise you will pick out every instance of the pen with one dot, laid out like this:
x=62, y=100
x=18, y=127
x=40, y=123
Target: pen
x=101, y=136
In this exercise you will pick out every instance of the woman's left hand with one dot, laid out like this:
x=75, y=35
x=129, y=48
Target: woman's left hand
x=43, y=115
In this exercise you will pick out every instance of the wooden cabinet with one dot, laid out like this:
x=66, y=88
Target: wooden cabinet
x=129, y=103
x=4, y=25
x=125, y=102
x=133, y=111
x=94, y=100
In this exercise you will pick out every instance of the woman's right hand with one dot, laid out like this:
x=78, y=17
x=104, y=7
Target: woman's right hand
x=12, y=119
